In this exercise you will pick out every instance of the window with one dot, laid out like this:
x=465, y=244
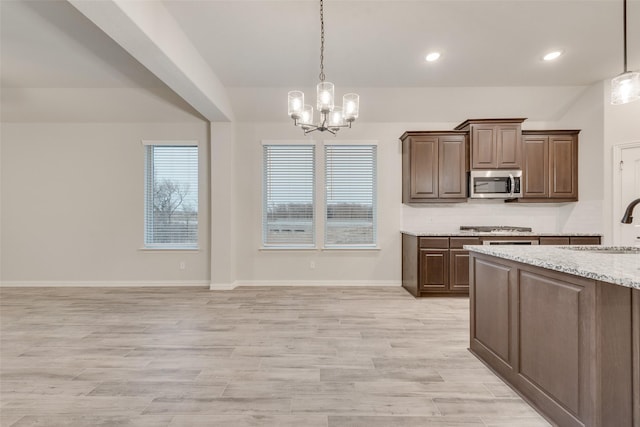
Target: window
x=350, y=194
x=288, y=210
x=289, y=180
x=171, y=195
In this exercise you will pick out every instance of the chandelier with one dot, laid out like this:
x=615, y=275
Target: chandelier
x=625, y=87
x=332, y=117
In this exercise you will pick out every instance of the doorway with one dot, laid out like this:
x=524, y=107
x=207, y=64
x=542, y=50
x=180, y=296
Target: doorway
x=626, y=187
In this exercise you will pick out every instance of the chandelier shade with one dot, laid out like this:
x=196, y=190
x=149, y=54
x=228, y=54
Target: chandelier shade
x=296, y=104
x=332, y=117
x=351, y=105
x=625, y=87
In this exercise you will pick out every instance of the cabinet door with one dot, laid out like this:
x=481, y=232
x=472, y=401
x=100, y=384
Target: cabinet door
x=563, y=167
x=434, y=270
x=508, y=146
x=535, y=173
x=483, y=147
x=459, y=270
x=452, y=171
x=424, y=168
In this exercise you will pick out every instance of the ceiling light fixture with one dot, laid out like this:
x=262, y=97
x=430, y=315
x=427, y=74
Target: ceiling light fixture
x=332, y=117
x=433, y=56
x=625, y=87
x=552, y=55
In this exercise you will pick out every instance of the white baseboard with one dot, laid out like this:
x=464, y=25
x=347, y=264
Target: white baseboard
x=222, y=286
x=103, y=284
x=194, y=283
x=328, y=283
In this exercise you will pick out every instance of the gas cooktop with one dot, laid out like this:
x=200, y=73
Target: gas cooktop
x=495, y=229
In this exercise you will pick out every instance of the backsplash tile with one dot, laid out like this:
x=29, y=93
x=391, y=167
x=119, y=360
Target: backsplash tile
x=542, y=218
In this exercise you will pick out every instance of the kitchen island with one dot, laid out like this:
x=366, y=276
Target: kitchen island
x=561, y=325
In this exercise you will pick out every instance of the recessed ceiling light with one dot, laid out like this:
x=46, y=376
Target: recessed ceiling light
x=433, y=56
x=552, y=55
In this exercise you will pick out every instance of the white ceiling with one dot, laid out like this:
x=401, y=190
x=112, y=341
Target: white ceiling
x=268, y=44
x=383, y=43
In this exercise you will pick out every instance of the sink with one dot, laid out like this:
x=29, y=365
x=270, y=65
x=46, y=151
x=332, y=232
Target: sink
x=606, y=249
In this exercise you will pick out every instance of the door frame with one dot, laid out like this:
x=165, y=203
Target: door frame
x=617, y=190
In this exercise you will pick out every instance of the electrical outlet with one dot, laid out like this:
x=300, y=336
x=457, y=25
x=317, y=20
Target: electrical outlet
x=312, y=265
x=183, y=265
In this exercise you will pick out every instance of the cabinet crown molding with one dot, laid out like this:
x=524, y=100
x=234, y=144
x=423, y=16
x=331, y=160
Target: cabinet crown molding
x=469, y=122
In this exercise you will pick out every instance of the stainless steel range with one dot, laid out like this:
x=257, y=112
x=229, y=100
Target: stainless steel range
x=495, y=229
x=505, y=232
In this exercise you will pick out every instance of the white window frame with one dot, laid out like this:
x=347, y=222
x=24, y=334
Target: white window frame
x=190, y=247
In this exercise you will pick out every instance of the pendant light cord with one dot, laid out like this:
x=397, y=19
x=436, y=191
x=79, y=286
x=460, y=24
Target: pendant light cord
x=624, y=14
x=322, y=42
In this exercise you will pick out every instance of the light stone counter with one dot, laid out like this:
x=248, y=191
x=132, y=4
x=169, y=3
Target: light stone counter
x=419, y=233
x=619, y=269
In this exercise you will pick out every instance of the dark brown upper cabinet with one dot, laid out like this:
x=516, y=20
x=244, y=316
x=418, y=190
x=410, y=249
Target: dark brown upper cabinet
x=434, y=166
x=550, y=165
x=495, y=143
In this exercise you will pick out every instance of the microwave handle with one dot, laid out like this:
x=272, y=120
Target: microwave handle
x=512, y=185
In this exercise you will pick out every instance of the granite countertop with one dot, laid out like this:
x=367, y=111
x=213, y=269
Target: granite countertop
x=486, y=233
x=619, y=269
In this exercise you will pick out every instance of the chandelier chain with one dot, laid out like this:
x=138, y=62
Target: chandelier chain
x=321, y=41
x=624, y=26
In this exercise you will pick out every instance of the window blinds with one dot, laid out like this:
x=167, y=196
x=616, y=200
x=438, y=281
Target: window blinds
x=289, y=202
x=171, y=196
x=350, y=191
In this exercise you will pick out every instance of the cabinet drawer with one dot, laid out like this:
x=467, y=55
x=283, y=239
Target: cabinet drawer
x=434, y=242
x=554, y=240
x=585, y=240
x=459, y=242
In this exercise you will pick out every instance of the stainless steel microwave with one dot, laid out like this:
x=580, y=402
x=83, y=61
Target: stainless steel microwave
x=495, y=184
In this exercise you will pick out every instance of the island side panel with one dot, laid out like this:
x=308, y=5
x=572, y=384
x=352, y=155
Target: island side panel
x=556, y=345
x=614, y=347
x=410, y=264
x=490, y=313
x=635, y=320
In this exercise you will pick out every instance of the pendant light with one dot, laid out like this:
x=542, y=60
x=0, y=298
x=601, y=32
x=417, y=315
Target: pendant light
x=332, y=117
x=625, y=87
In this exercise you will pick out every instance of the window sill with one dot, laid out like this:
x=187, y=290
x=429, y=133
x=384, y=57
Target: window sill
x=287, y=248
x=170, y=250
x=329, y=248
x=351, y=248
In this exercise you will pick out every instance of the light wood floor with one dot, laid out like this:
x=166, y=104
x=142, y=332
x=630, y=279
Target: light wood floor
x=248, y=357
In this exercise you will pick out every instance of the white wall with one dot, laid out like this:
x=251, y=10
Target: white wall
x=621, y=125
x=256, y=266
x=73, y=205
x=55, y=229
x=223, y=205
x=586, y=114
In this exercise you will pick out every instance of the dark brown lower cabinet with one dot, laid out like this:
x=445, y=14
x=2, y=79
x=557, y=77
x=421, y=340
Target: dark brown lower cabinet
x=550, y=240
x=439, y=266
x=568, y=344
x=436, y=266
x=569, y=240
x=459, y=270
x=434, y=270
x=584, y=240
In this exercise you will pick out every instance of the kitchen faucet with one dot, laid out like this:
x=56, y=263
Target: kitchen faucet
x=627, y=218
